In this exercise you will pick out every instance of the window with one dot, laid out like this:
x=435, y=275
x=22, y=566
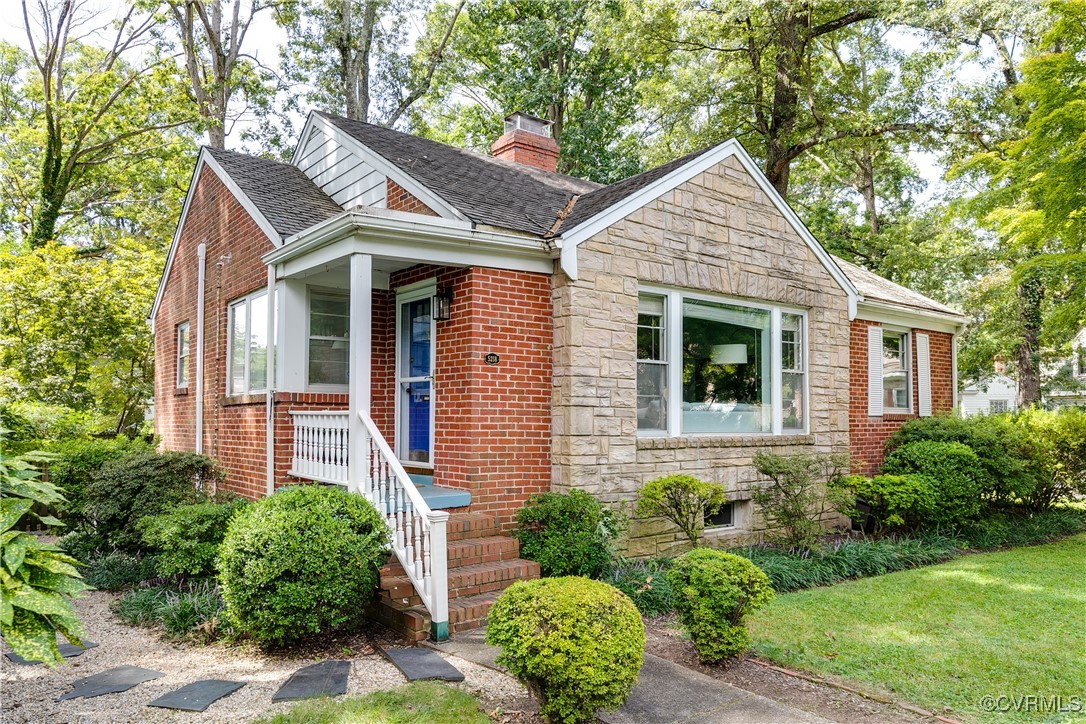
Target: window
x=1080, y=355
x=651, y=365
x=329, y=347
x=735, y=368
x=995, y=406
x=183, y=354
x=723, y=518
x=248, y=342
x=895, y=371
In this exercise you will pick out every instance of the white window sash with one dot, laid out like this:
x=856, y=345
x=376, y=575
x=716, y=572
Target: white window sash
x=244, y=307
x=923, y=375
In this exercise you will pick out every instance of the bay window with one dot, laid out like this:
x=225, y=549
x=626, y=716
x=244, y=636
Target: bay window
x=734, y=367
x=248, y=345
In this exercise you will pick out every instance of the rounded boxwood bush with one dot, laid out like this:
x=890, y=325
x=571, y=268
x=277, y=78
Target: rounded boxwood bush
x=955, y=473
x=576, y=644
x=712, y=591
x=299, y=562
x=568, y=534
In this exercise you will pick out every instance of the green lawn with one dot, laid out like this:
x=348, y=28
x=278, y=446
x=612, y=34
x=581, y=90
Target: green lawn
x=417, y=703
x=1009, y=623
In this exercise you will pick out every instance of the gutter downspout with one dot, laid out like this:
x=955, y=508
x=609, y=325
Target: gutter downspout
x=269, y=436
x=201, y=256
x=954, y=370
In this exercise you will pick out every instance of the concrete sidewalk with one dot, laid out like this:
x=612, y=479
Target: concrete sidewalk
x=665, y=692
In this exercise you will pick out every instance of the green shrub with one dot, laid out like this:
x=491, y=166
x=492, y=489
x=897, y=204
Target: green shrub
x=194, y=608
x=897, y=501
x=800, y=493
x=1006, y=456
x=83, y=544
x=955, y=474
x=1012, y=529
x=713, y=591
x=1060, y=454
x=75, y=462
x=645, y=582
x=187, y=538
x=576, y=644
x=301, y=562
x=148, y=483
x=37, y=580
x=117, y=570
x=35, y=425
x=684, y=500
x=568, y=534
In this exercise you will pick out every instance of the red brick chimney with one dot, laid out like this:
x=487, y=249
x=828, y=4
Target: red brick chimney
x=527, y=140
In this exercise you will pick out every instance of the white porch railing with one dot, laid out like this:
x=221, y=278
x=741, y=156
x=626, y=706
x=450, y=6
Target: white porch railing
x=321, y=444
x=417, y=533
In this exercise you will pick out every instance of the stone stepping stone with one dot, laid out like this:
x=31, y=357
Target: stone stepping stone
x=419, y=663
x=113, y=681
x=325, y=678
x=198, y=695
x=66, y=650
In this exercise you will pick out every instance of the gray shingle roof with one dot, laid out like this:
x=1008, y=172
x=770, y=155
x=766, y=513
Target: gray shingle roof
x=289, y=200
x=487, y=190
x=874, y=287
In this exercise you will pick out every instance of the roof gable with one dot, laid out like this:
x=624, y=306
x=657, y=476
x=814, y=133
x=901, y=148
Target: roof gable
x=878, y=289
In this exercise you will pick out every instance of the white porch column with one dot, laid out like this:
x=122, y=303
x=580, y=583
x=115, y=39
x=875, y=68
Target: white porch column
x=361, y=357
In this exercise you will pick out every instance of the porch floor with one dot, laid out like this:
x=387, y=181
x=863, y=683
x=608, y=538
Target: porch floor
x=439, y=497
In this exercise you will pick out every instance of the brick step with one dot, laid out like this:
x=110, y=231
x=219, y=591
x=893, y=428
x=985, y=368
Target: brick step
x=486, y=577
x=470, y=525
x=470, y=612
x=411, y=622
x=488, y=549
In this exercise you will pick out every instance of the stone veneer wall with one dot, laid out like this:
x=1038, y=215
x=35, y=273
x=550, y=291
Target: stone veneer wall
x=716, y=233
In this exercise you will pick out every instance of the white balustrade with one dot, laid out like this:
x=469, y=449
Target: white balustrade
x=417, y=533
x=321, y=444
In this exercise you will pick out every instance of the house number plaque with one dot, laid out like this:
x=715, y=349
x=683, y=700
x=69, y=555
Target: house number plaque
x=491, y=358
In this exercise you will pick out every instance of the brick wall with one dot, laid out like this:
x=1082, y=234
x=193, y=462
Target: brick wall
x=397, y=198
x=717, y=233
x=492, y=422
x=867, y=435
x=234, y=429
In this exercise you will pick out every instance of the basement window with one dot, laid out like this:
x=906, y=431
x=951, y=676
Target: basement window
x=723, y=518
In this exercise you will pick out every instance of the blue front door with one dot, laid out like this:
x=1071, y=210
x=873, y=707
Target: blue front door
x=414, y=379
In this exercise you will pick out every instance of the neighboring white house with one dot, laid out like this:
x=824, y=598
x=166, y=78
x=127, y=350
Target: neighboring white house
x=1074, y=394
x=997, y=393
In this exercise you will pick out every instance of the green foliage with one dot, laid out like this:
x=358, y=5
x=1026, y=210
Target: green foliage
x=1059, y=453
x=117, y=570
x=645, y=582
x=302, y=561
x=684, y=500
x=420, y=702
x=37, y=426
x=133, y=487
x=799, y=494
x=898, y=502
x=83, y=544
x=37, y=580
x=75, y=462
x=576, y=644
x=187, y=538
x=568, y=533
x=1012, y=529
x=180, y=612
x=713, y=591
x=956, y=475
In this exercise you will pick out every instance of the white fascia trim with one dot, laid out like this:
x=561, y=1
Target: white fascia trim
x=422, y=193
x=206, y=159
x=910, y=318
x=393, y=235
x=590, y=227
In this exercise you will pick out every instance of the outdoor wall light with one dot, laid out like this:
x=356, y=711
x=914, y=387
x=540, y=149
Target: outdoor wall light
x=443, y=304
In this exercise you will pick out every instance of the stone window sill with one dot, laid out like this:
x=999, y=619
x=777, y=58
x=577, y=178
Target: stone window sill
x=250, y=399
x=180, y=391
x=721, y=441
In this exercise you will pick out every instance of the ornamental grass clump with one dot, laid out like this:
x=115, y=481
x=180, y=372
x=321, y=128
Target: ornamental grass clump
x=713, y=590
x=576, y=644
x=302, y=561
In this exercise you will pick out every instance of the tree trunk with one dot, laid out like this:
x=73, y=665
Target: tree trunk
x=782, y=118
x=867, y=188
x=1030, y=294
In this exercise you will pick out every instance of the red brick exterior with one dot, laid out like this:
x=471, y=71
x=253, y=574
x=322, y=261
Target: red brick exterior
x=867, y=435
x=397, y=198
x=234, y=429
x=529, y=148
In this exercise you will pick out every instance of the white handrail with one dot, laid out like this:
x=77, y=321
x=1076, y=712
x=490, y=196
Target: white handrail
x=321, y=445
x=418, y=533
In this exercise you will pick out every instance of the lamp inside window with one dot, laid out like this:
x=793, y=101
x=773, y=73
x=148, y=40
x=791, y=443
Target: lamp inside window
x=443, y=304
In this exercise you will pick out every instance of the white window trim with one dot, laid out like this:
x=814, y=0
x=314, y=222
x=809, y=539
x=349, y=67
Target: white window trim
x=907, y=363
x=320, y=291
x=247, y=302
x=673, y=318
x=183, y=359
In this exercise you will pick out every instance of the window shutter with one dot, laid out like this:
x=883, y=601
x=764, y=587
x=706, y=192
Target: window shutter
x=923, y=375
x=874, y=371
